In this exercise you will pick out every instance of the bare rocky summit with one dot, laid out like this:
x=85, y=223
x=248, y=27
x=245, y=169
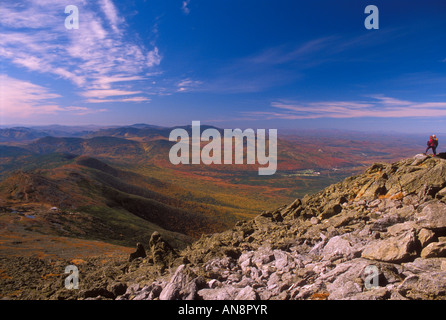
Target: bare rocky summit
x=375, y=236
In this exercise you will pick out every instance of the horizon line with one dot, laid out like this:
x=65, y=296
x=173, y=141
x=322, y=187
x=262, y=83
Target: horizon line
x=285, y=129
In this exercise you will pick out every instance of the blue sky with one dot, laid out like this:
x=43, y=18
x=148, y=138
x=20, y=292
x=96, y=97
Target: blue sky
x=266, y=64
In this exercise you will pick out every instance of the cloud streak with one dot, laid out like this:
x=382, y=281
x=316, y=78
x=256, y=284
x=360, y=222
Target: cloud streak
x=377, y=106
x=188, y=85
x=287, y=63
x=111, y=13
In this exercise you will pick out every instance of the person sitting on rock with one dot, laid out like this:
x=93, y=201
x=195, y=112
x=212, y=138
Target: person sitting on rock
x=432, y=143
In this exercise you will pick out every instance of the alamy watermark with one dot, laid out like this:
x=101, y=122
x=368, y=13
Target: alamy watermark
x=370, y=22
x=233, y=145
x=371, y=280
x=72, y=281
x=72, y=21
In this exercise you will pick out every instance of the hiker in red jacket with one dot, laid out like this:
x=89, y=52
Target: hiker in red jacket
x=432, y=143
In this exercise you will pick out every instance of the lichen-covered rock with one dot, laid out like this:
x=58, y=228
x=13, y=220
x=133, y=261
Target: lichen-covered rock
x=162, y=252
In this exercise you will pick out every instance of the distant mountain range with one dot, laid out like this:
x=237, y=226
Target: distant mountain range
x=20, y=133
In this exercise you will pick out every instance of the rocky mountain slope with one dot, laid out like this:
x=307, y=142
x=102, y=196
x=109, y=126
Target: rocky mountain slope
x=378, y=235
x=100, y=202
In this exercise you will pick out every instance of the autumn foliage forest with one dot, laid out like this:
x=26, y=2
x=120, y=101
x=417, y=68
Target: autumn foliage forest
x=117, y=185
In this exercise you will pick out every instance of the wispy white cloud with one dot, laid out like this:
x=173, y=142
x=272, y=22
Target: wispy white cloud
x=188, y=85
x=21, y=99
x=153, y=58
x=82, y=111
x=377, y=106
x=106, y=82
x=108, y=93
x=100, y=96
x=132, y=99
x=100, y=55
x=111, y=13
x=32, y=15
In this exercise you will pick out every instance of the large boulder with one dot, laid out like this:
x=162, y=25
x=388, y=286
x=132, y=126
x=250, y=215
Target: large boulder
x=434, y=250
x=341, y=247
x=393, y=249
x=432, y=216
